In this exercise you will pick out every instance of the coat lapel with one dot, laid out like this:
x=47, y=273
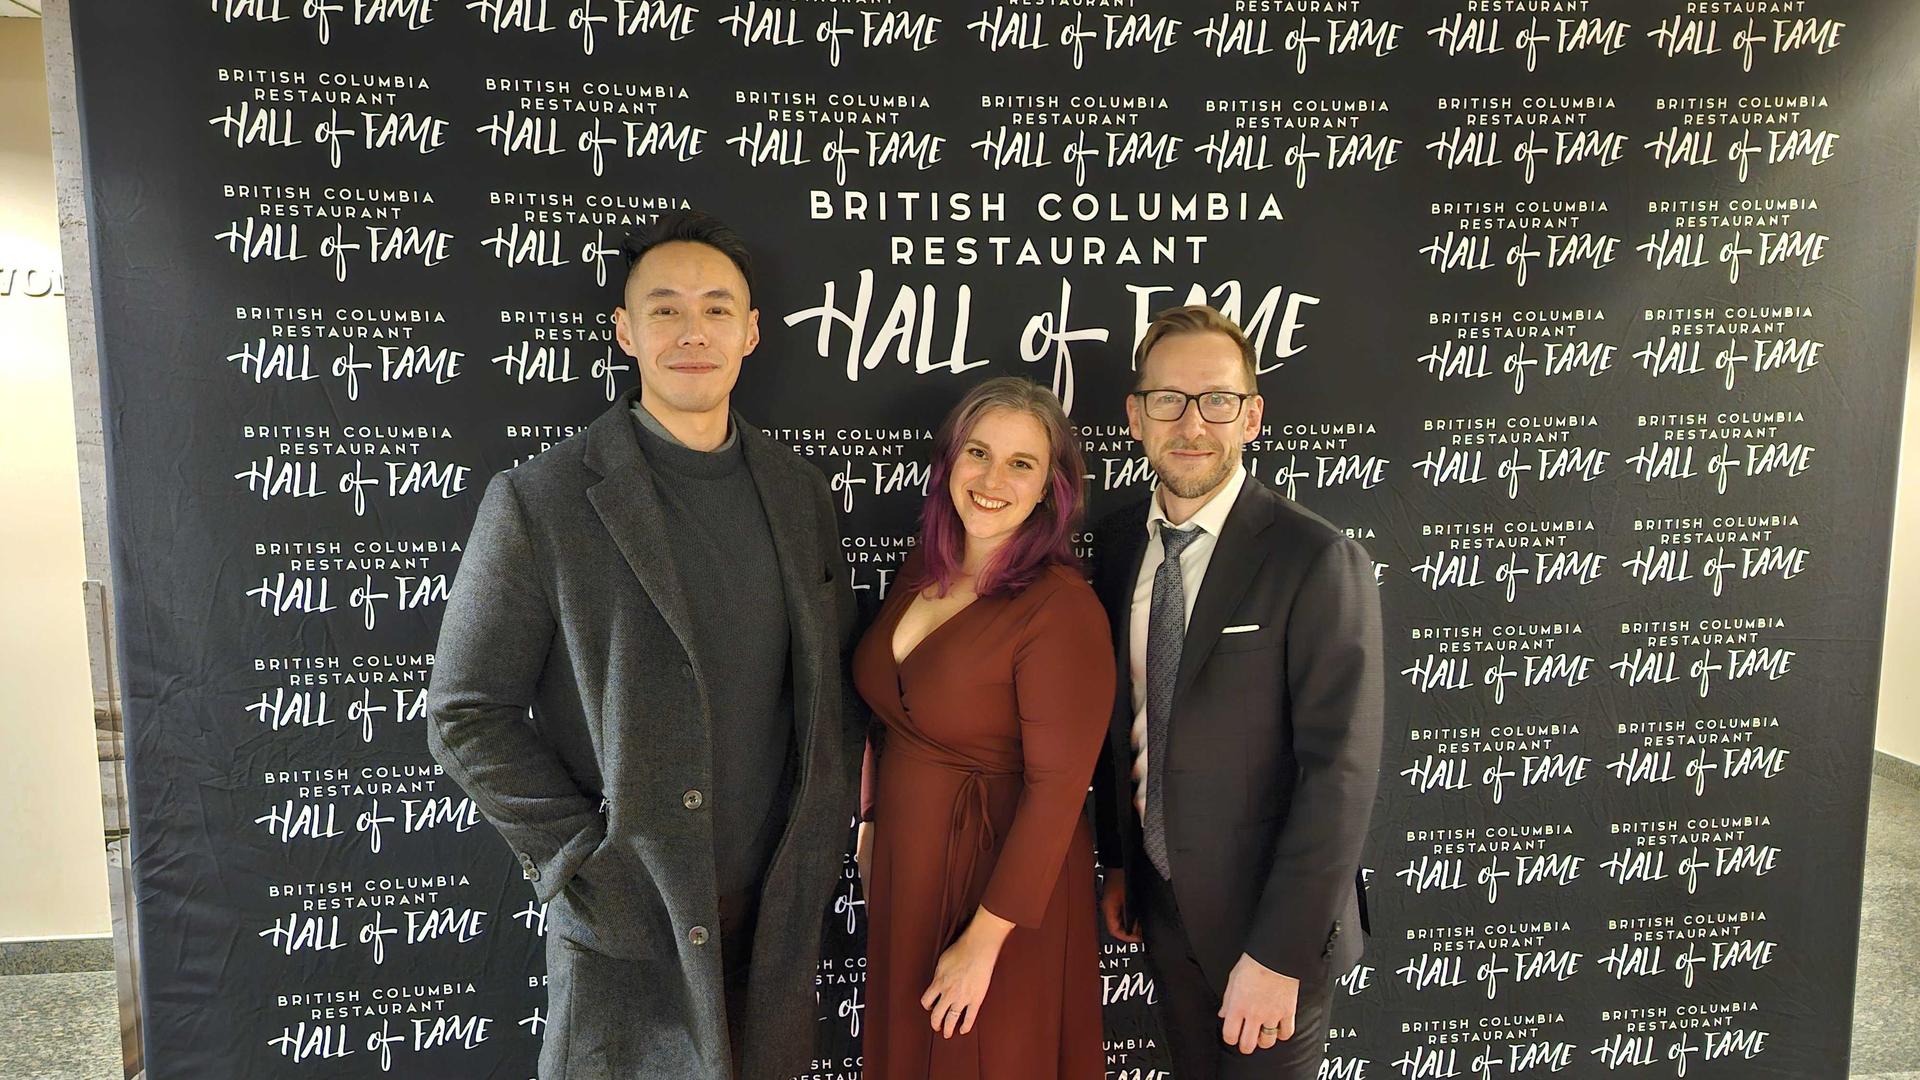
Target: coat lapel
x=1237, y=556
x=789, y=512
x=629, y=506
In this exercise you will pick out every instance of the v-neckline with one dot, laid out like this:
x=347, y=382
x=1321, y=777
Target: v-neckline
x=900, y=662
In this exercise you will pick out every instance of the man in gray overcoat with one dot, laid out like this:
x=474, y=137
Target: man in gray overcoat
x=640, y=682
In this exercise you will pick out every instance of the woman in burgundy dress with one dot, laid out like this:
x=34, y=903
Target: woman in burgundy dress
x=990, y=673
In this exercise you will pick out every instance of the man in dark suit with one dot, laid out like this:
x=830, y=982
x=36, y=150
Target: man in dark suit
x=639, y=681
x=1245, y=747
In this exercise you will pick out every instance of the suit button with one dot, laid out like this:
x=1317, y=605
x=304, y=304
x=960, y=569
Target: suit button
x=686, y=670
x=693, y=800
x=697, y=935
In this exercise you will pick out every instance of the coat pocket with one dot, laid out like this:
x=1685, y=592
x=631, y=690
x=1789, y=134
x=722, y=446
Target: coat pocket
x=610, y=906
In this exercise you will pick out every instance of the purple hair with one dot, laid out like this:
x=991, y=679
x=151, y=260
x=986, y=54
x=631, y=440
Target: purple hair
x=1044, y=539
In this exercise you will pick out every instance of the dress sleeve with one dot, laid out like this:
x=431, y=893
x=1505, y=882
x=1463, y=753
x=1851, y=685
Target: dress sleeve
x=1063, y=678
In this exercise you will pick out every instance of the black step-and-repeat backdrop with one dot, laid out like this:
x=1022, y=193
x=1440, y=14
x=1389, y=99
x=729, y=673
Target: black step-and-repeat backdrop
x=1588, y=318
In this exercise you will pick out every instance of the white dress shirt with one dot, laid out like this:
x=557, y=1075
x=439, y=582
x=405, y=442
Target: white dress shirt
x=1209, y=519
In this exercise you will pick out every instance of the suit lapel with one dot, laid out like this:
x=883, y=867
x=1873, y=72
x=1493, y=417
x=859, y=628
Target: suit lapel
x=1237, y=556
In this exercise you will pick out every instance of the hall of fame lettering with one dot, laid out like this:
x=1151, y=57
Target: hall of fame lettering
x=1075, y=131
x=302, y=594
x=588, y=21
x=359, y=694
x=1718, y=553
x=1498, y=860
x=533, y=237
x=864, y=463
x=1510, y=557
x=1498, y=760
x=1745, y=132
x=1735, y=234
x=1723, y=345
x=1531, y=656
x=867, y=131
x=282, y=110
x=388, y=459
x=1306, y=137
x=558, y=348
x=1686, y=947
x=1674, y=1038
x=1491, y=958
x=380, y=235
x=912, y=323
x=624, y=121
x=1486, y=1047
x=400, y=915
x=1522, y=350
x=1306, y=41
x=416, y=1017
x=839, y=32
x=1705, y=654
x=1700, y=752
x=1301, y=459
x=358, y=349
x=1515, y=452
x=1536, y=134
x=321, y=15
x=305, y=1042
x=345, y=822
x=1532, y=40
x=1524, y=237
x=1007, y=28
x=1744, y=41
x=1743, y=447
x=1663, y=855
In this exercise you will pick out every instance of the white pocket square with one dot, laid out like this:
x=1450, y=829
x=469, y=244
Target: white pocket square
x=1241, y=629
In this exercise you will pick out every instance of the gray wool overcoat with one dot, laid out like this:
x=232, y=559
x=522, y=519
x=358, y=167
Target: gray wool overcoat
x=568, y=701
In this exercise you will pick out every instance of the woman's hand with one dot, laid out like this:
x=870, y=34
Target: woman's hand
x=965, y=970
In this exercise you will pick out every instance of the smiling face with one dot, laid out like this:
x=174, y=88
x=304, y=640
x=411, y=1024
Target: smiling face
x=687, y=323
x=1193, y=457
x=999, y=475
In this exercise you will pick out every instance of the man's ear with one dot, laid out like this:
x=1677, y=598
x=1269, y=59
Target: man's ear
x=620, y=334
x=753, y=331
x=1134, y=425
x=1256, y=412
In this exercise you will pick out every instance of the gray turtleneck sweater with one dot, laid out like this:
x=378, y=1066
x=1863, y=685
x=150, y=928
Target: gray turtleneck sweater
x=722, y=549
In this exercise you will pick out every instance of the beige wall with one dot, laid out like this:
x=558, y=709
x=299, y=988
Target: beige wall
x=1899, y=732
x=53, y=877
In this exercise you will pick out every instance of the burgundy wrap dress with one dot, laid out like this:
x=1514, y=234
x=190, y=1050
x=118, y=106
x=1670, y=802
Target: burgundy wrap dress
x=985, y=738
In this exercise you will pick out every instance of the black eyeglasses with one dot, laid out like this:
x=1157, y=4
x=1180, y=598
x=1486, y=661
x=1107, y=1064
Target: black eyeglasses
x=1216, y=406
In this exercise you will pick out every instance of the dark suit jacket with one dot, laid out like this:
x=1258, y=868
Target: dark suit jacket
x=567, y=602
x=1273, y=750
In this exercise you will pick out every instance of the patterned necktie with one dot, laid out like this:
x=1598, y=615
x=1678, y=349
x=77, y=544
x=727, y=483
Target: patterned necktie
x=1166, y=633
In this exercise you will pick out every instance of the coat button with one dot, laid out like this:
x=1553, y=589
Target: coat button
x=693, y=800
x=686, y=670
x=697, y=935
x=527, y=869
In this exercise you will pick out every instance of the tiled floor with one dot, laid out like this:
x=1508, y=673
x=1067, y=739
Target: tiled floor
x=1886, y=1014
x=62, y=1027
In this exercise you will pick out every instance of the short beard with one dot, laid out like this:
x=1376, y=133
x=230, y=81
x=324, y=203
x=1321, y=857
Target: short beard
x=1196, y=487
